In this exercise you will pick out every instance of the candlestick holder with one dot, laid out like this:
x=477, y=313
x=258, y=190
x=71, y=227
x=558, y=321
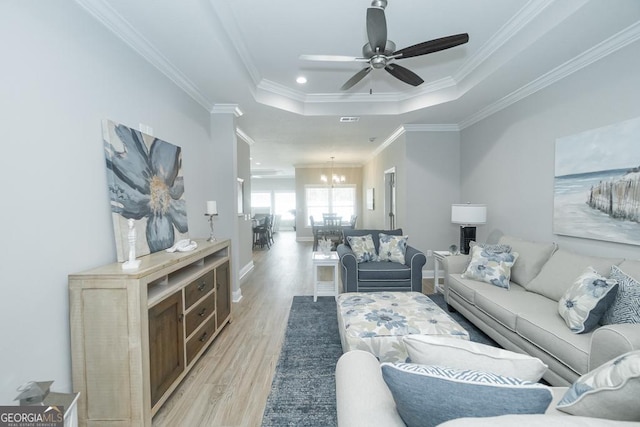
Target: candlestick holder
x=211, y=238
x=132, y=263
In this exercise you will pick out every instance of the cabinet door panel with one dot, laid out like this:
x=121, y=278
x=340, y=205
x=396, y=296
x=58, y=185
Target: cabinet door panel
x=223, y=293
x=166, y=344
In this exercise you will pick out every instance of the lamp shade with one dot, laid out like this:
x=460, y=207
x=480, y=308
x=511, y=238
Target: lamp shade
x=469, y=214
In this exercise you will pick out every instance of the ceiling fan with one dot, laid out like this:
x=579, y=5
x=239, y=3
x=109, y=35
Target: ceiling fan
x=380, y=52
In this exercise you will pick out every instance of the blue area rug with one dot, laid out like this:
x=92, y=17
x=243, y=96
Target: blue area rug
x=303, y=388
x=303, y=392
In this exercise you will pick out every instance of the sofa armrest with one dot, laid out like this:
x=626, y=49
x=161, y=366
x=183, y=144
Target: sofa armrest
x=455, y=264
x=611, y=341
x=362, y=396
x=416, y=260
x=348, y=268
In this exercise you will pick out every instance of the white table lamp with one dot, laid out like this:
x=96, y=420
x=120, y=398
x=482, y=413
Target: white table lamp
x=468, y=215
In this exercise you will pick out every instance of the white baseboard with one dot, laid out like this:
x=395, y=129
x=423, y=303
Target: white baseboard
x=245, y=270
x=430, y=274
x=237, y=295
x=304, y=239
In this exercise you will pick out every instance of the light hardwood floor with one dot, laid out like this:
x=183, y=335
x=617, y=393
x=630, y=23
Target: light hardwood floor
x=230, y=384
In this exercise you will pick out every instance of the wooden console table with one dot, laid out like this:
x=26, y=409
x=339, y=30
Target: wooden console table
x=136, y=334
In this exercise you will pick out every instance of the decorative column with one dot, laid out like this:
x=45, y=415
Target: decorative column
x=224, y=162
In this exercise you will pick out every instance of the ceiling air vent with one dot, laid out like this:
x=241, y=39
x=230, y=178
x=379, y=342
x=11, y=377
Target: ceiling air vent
x=349, y=119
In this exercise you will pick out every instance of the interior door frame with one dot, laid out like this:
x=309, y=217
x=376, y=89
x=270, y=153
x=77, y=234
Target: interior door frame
x=390, y=195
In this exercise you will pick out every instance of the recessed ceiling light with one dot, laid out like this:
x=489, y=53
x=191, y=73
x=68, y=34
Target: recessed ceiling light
x=301, y=80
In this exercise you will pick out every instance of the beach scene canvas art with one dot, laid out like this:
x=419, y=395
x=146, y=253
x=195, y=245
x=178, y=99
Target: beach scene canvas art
x=597, y=184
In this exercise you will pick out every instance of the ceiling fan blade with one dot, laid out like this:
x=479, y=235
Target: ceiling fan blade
x=404, y=74
x=432, y=46
x=332, y=58
x=376, y=28
x=356, y=78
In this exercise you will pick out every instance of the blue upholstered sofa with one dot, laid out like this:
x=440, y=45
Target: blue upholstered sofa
x=380, y=275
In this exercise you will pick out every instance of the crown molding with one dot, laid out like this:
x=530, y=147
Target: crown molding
x=619, y=40
x=326, y=165
x=113, y=21
x=226, y=109
x=413, y=128
x=444, y=127
x=243, y=136
x=273, y=88
x=518, y=22
x=387, y=142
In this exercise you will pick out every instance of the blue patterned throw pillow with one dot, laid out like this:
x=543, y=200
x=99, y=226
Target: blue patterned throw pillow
x=492, y=247
x=626, y=306
x=610, y=391
x=392, y=248
x=491, y=267
x=585, y=302
x=428, y=395
x=363, y=248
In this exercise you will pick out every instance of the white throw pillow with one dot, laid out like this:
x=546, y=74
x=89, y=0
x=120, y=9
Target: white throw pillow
x=610, y=391
x=392, y=248
x=462, y=354
x=583, y=304
x=363, y=248
x=491, y=267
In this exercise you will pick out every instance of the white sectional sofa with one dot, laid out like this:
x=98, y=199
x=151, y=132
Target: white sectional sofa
x=364, y=400
x=525, y=317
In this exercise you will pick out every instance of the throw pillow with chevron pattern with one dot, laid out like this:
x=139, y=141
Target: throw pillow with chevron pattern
x=626, y=306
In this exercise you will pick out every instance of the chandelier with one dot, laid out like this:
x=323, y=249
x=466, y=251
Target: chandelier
x=335, y=178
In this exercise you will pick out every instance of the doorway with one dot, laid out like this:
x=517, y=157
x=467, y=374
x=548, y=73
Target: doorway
x=390, y=198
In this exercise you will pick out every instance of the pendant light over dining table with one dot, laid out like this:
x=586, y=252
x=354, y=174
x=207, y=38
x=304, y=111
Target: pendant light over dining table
x=335, y=178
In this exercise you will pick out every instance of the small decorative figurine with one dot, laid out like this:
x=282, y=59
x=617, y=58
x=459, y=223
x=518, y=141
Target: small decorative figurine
x=325, y=246
x=132, y=263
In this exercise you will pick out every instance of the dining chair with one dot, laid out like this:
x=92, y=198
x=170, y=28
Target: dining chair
x=332, y=230
x=315, y=231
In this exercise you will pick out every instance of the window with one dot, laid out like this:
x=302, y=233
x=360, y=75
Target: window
x=339, y=199
x=285, y=205
x=261, y=200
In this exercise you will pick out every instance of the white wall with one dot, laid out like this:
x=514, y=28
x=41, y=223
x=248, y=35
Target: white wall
x=433, y=184
x=508, y=158
x=274, y=184
x=393, y=156
x=428, y=181
x=62, y=74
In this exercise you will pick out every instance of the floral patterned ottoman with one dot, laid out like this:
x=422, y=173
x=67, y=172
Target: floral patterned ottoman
x=376, y=322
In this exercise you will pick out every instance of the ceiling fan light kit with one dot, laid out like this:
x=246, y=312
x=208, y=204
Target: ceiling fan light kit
x=380, y=52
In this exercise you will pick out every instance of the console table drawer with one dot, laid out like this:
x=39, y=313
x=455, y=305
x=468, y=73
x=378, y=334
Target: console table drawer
x=200, y=313
x=197, y=289
x=200, y=338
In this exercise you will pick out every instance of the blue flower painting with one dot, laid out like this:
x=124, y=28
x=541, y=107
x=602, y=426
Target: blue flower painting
x=145, y=184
